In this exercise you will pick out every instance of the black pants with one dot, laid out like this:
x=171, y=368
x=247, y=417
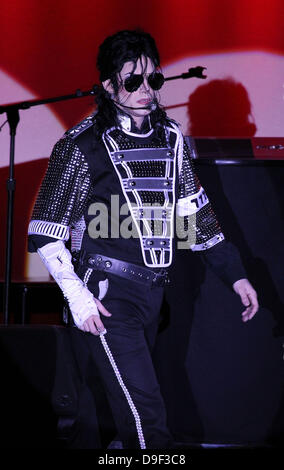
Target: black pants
x=123, y=358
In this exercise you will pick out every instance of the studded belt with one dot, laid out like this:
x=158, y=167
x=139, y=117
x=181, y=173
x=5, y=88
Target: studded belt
x=129, y=271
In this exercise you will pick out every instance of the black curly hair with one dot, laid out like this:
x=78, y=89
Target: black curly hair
x=123, y=46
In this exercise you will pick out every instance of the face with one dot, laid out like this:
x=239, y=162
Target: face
x=140, y=98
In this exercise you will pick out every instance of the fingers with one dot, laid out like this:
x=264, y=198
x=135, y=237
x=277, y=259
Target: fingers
x=93, y=325
x=251, y=302
x=102, y=309
x=248, y=314
x=248, y=297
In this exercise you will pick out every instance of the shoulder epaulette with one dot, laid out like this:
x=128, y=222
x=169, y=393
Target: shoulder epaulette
x=81, y=127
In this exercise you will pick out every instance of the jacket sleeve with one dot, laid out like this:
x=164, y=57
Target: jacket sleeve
x=196, y=220
x=62, y=197
x=198, y=227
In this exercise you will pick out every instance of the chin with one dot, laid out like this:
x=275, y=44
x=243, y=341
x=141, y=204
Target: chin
x=142, y=112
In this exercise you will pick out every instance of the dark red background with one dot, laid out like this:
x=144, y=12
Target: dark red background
x=50, y=46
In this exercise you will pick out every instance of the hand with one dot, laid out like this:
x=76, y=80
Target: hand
x=93, y=324
x=248, y=296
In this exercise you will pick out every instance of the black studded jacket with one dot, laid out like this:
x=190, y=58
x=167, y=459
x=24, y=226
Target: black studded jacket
x=86, y=193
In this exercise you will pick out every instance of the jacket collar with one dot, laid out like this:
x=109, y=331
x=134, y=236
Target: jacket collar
x=127, y=124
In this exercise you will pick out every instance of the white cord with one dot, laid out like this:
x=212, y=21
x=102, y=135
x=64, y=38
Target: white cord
x=126, y=393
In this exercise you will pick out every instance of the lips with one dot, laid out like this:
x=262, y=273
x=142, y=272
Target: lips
x=144, y=101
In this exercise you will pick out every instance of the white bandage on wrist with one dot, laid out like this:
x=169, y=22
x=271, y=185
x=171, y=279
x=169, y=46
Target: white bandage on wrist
x=58, y=260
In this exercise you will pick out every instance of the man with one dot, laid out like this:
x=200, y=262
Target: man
x=129, y=166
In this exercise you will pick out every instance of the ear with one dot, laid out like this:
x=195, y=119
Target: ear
x=108, y=86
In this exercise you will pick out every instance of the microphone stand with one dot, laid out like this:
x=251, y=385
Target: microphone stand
x=13, y=118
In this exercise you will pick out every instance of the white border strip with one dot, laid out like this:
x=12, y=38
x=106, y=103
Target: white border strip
x=50, y=229
x=213, y=241
x=192, y=204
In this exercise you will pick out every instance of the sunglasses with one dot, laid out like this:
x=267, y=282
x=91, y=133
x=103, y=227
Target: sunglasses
x=155, y=81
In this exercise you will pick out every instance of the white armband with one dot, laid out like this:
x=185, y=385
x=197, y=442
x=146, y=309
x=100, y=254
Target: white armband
x=58, y=260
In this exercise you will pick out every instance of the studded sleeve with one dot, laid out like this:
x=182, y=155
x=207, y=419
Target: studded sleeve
x=197, y=221
x=63, y=194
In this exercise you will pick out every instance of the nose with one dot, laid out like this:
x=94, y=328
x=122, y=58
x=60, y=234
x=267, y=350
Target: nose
x=145, y=84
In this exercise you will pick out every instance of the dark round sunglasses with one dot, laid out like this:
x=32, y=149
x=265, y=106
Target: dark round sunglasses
x=155, y=80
